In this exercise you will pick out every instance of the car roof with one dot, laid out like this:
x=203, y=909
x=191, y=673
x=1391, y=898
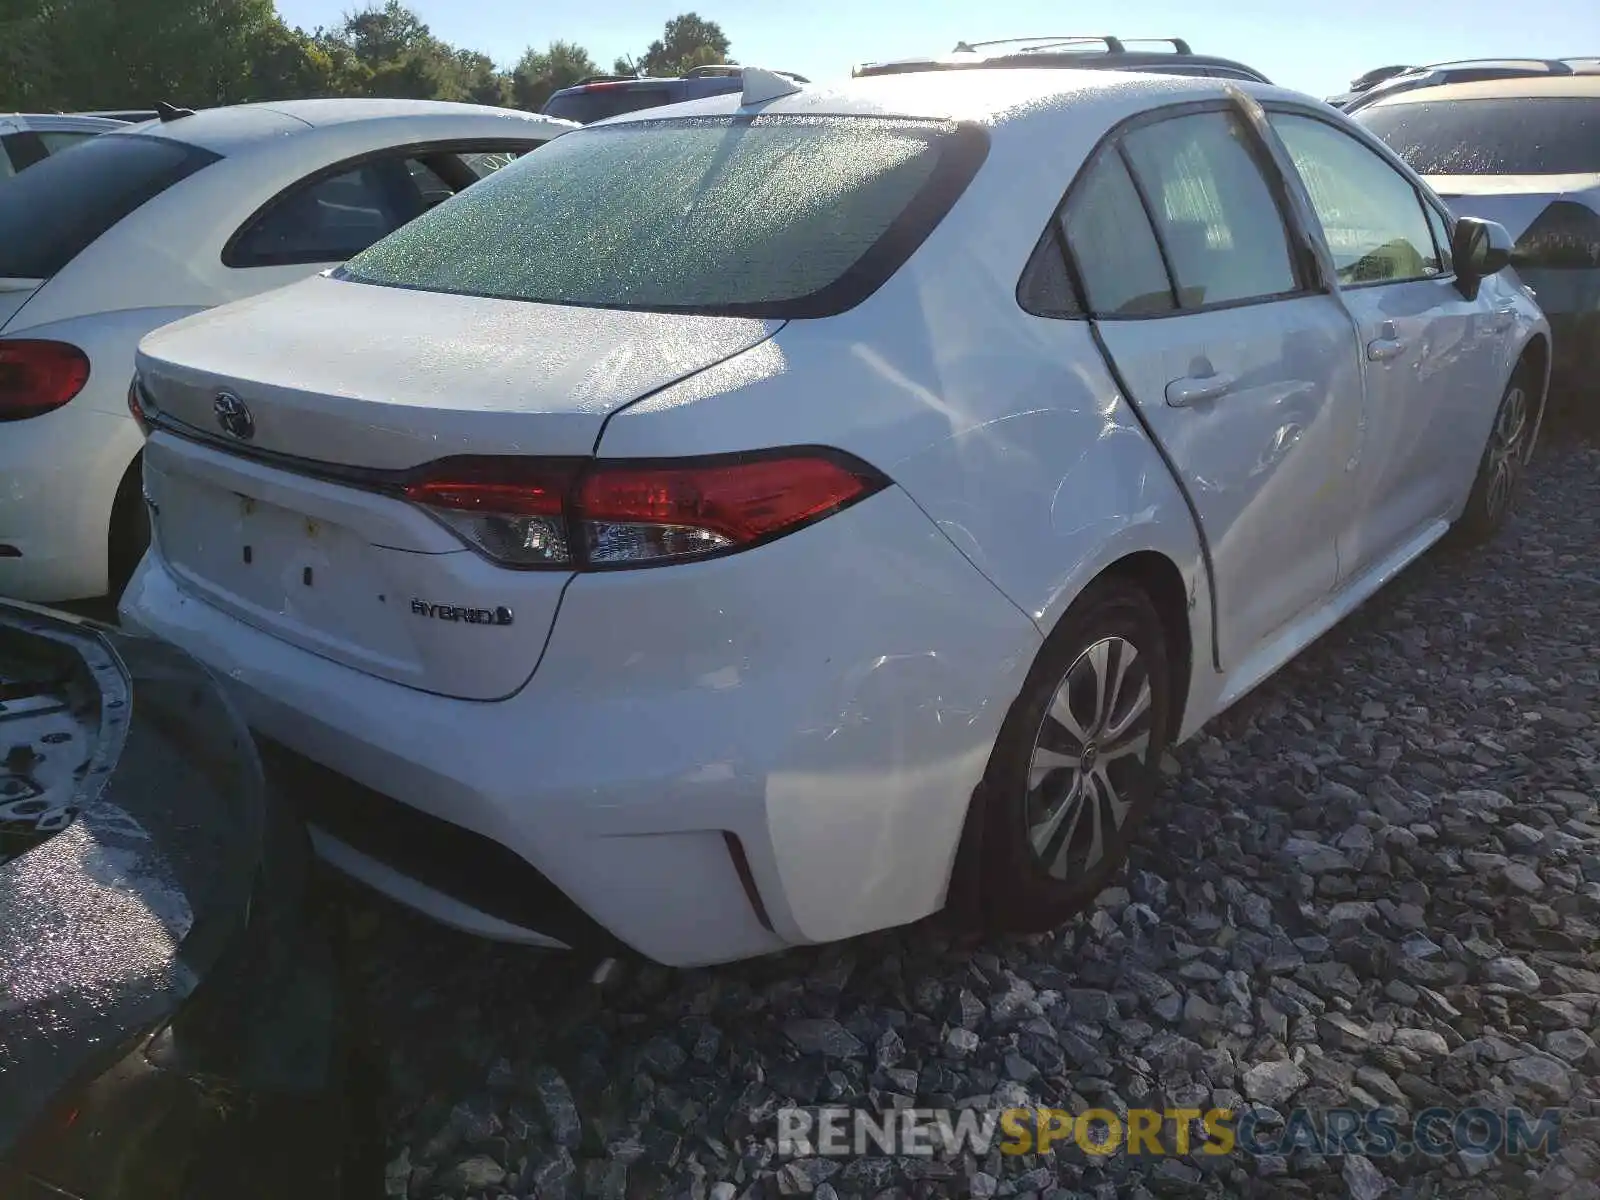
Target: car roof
x=994, y=97
x=228, y=130
x=1521, y=87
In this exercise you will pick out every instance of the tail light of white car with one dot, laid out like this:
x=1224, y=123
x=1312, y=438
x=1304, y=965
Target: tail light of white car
x=588, y=514
x=1565, y=235
x=39, y=376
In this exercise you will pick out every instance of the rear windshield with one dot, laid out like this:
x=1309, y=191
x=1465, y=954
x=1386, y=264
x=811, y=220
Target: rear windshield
x=51, y=212
x=1542, y=135
x=596, y=104
x=769, y=216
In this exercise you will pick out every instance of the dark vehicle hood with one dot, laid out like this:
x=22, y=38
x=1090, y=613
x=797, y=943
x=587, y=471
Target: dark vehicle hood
x=110, y=924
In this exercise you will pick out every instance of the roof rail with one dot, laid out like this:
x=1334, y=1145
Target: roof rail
x=713, y=70
x=1552, y=66
x=605, y=79
x=1112, y=45
x=1179, y=45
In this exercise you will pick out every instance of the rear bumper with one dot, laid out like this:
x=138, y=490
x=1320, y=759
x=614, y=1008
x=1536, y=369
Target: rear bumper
x=58, y=481
x=713, y=761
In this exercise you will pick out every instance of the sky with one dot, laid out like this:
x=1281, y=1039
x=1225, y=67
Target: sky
x=1315, y=47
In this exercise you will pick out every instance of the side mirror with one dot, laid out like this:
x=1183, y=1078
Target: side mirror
x=1480, y=249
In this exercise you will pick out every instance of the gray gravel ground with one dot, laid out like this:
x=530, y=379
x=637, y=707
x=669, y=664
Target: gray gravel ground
x=1376, y=881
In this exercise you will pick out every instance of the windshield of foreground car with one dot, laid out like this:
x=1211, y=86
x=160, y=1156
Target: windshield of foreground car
x=1543, y=135
x=50, y=213
x=764, y=216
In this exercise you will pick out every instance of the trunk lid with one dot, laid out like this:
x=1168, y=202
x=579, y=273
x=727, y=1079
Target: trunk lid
x=369, y=376
x=1514, y=201
x=352, y=375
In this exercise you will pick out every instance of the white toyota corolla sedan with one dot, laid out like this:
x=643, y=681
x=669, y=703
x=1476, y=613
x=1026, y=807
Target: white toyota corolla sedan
x=857, y=496
x=106, y=241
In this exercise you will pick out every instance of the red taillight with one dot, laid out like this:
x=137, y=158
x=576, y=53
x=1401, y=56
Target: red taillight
x=38, y=376
x=564, y=514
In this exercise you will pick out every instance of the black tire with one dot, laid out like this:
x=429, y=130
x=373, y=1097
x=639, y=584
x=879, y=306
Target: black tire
x=1506, y=454
x=1019, y=893
x=130, y=530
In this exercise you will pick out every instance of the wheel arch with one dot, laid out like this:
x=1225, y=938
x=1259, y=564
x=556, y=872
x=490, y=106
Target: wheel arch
x=1162, y=582
x=1535, y=357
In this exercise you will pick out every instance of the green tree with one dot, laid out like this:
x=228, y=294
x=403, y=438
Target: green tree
x=391, y=52
x=480, y=82
x=540, y=72
x=688, y=41
x=382, y=36
x=119, y=53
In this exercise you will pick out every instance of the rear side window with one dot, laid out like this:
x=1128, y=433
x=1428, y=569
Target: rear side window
x=596, y=104
x=770, y=216
x=1216, y=217
x=1536, y=135
x=329, y=219
x=51, y=212
x=1111, y=241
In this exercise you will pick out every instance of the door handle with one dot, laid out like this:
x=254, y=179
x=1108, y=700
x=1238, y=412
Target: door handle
x=1386, y=345
x=1197, y=389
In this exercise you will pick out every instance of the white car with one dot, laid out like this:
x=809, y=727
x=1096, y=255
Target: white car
x=871, y=488
x=155, y=221
x=27, y=139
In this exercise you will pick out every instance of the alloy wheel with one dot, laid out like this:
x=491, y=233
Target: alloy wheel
x=1091, y=747
x=1507, y=450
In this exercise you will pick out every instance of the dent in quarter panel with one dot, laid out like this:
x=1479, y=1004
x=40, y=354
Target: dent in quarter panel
x=1044, y=499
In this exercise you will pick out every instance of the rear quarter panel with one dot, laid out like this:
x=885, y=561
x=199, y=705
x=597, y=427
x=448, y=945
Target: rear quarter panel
x=1004, y=428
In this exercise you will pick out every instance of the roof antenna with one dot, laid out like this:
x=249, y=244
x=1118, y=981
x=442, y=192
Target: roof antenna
x=761, y=86
x=171, y=112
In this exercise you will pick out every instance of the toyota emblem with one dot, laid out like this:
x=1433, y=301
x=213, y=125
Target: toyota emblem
x=234, y=416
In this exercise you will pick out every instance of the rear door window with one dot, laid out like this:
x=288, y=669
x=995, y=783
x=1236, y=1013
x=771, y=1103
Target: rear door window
x=1118, y=258
x=1216, y=217
x=765, y=216
x=1534, y=135
x=51, y=212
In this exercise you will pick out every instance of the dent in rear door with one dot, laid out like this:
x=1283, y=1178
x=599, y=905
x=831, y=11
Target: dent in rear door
x=1248, y=380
